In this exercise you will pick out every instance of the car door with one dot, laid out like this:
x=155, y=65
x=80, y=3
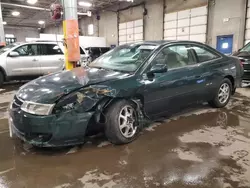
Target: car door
x=52, y=58
x=211, y=66
x=173, y=89
x=27, y=63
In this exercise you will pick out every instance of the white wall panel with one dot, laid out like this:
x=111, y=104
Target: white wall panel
x=201, y=11
x=248, y=12
x=122, y=32
x=170, y=38
x=130, y=38
x=186, y=37
x=170, y=16
x=187, y=24
x=247, y=34
x=130, y=24
x=248, y=24
x=183, y=31
x=170, y=25
x=121, y=43
x=123, y=38
x=122, y=26
x=138, y=23
x=170, y=32
x=138, y=37
x=184, y=14
x=198, y=38
x=198, y=29
x=183, y=23
x=130, y=31
x=138, y=29
x=201, y=20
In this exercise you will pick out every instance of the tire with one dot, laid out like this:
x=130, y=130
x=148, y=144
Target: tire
x=115, y=121
x=217, y=102
x=1, y=78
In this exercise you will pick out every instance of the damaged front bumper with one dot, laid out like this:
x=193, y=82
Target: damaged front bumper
x=65, y=129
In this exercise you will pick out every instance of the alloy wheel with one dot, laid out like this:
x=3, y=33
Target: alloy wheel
x=224, y=93
x=127, y=121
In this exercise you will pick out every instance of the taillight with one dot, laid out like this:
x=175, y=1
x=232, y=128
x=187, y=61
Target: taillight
x=241, y=61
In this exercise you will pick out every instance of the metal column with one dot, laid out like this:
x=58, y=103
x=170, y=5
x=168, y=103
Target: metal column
x=2, y=35
x=71, y=34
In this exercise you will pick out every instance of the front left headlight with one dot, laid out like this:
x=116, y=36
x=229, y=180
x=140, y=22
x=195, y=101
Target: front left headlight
x=37, y=108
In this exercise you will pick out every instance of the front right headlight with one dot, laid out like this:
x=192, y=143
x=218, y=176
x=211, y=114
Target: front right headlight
x=37, y=108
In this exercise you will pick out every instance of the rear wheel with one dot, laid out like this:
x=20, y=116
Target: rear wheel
x=223, y=94
x=122, y=125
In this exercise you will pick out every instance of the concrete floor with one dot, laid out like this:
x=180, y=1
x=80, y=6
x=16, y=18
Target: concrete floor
x=202, y=147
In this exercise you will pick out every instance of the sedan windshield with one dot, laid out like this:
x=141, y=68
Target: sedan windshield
x=6, y=48
x=125, y=58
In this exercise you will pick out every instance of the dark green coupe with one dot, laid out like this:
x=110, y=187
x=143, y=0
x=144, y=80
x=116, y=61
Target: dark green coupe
x=119, y=90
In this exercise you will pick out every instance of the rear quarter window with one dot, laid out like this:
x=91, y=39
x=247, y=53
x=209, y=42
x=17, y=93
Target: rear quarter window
x=204, y=54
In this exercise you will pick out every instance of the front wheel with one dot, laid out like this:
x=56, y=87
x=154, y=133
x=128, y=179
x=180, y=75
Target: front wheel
x=122, y=125
x=223, y=94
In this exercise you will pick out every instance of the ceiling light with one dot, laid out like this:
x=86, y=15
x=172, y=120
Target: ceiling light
x=32, y=1
x=15, y=13
x=4, y=23
x=85, y=4
x=41, y=22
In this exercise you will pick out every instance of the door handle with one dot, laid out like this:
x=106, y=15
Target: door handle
x=61, y=59
x=35, y=60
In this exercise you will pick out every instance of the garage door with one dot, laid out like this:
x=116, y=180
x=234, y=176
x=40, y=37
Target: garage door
x=131, y=31
x=247, y=33
x=188, y=24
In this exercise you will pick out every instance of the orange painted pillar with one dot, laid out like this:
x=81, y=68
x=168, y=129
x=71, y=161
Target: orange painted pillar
x=71, y=34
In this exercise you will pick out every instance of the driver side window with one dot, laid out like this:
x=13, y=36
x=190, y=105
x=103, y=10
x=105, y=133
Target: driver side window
x=27, y=50
x=175, y=56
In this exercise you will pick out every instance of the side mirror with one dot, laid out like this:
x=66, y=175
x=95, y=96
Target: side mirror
x=239, y=50
x=13, y=54
x=158, y=68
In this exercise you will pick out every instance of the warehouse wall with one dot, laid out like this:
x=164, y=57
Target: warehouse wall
x=54, y=30
x=21, y=33
x=83, y=25
x=108, y=27
x=227, y=19
x=177, y=5
x=154, y=20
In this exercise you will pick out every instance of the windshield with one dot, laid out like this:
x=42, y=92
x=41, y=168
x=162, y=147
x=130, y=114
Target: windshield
x=6, y=48
x=125, y=58
x=246, y=48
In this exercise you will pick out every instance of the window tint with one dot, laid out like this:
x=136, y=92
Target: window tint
x=27, y=50
x=50, y=49
x=203, y=54
x=175, y=56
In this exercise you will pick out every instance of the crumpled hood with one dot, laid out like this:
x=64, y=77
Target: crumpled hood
x=48, y=89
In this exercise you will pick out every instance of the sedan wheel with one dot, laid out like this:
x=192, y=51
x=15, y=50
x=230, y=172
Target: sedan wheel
x=127, y=120
x=122, y=125
x=224, y=93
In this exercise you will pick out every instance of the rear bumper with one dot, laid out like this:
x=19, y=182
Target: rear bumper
x=50, y=131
